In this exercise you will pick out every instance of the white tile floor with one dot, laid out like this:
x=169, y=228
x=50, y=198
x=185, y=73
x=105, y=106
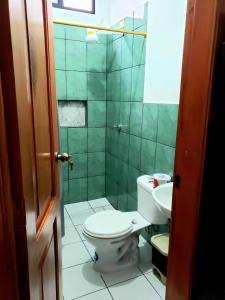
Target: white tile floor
x=79, y=278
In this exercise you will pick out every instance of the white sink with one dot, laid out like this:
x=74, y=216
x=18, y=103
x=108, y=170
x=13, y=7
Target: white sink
x=162, y=196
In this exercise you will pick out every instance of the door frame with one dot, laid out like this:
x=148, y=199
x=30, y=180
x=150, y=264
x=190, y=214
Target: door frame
x=201, y=37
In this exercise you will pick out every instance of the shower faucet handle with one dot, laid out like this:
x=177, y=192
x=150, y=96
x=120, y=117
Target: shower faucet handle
x=119, y=126
x=63, y=157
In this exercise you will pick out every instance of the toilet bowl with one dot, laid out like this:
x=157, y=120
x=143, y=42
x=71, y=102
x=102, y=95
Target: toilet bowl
x=115, y=234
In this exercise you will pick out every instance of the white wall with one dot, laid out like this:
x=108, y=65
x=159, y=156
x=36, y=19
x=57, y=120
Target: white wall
x=120, y=9
x=164, y=48
x=101, y=16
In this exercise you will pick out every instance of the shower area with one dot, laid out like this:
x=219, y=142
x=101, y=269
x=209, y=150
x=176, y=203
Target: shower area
x=112, y=135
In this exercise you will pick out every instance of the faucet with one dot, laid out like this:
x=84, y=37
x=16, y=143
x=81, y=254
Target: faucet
x=119, y=127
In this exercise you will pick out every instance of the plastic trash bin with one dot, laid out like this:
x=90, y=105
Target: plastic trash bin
x=160, y=243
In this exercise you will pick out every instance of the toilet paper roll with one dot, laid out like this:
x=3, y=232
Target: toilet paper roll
x=160, y=178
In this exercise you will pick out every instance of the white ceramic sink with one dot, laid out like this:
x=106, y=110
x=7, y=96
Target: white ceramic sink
x=162, y=196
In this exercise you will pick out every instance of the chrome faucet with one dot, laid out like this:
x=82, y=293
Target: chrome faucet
x=119, y=127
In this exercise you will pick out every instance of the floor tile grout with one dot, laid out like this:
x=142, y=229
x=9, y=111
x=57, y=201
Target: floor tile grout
x=92, y=259
x=89, y=293
x=87, y=262
x=107, y=287
x=152, y=286
x=85, y=245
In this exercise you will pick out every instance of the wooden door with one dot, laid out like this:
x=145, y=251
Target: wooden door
x=29, y=100
x=205, y=20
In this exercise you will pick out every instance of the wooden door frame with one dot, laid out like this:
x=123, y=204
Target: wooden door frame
x=201, y=38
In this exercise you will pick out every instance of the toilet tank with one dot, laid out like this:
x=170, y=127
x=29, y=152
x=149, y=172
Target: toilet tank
x=146, y=206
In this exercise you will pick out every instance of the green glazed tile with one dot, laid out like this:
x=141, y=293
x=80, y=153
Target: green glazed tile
x=76, y=85
x=133, y=174
x=164, y=159
x=115, y=114
x=102, y=39
x=109, y=51
x=139, y=48
x=77, y=190
x=131, y=203
x=167, y=124
x=109, y=164
x=126, y=83
x=108, y=113
x=136, y=118
x=150, y=121
x=96, y=139
x=61, y=85
x=137, y=93
x=109, y=86
x=80, y=166
x=65, y=171
x=114, y=142
x=96, y=163
x=115, y=169
x=116, y=54
x=116, y=87
x=126, y=52
x=123, y=168
x=75, y=55
x=75, y=33
x=125, y=116
x=135, y=151
x=123, y=146
x=148, y=150
x=96, y=187
x=113, y=197
x=60, y=58
x=129, y=22
x=77, y=140
x=96, y=57
x=122, y=199
x=96, y=86
x=65, y=189
x=96, y=114
x=107, y=186
x=59, y=31
x=108, y=139
x=63, y=139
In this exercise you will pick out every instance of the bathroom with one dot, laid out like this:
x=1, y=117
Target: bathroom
x=110, y=115
x=116, y=130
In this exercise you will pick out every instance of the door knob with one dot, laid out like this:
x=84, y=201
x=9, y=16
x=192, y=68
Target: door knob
x=65, y=157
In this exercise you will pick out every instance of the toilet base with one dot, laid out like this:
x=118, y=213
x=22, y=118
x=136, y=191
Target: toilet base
x=125, y=256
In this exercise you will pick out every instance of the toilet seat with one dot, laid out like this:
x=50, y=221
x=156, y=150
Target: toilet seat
x=108, y=224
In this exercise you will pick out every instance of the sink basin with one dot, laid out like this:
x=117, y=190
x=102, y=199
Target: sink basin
x=162, y=196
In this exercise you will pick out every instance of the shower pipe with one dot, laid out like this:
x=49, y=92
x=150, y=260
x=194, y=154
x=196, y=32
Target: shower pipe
x=144, y=34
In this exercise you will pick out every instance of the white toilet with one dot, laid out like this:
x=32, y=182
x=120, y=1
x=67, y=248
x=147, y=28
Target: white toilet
x=115, y=234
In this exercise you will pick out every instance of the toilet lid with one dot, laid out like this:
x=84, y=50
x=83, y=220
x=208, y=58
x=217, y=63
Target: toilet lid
x=108, y=224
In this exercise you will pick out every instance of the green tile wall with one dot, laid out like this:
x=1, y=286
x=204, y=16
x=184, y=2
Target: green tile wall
x=146, y=142
x=108, y=161
x=81, y=75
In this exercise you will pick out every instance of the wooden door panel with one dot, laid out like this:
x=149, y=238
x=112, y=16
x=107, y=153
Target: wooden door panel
x=47, y=264
x=29, y=98
x=40, y=95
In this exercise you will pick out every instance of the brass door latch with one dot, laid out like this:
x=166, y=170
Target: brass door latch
x=65, y=157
